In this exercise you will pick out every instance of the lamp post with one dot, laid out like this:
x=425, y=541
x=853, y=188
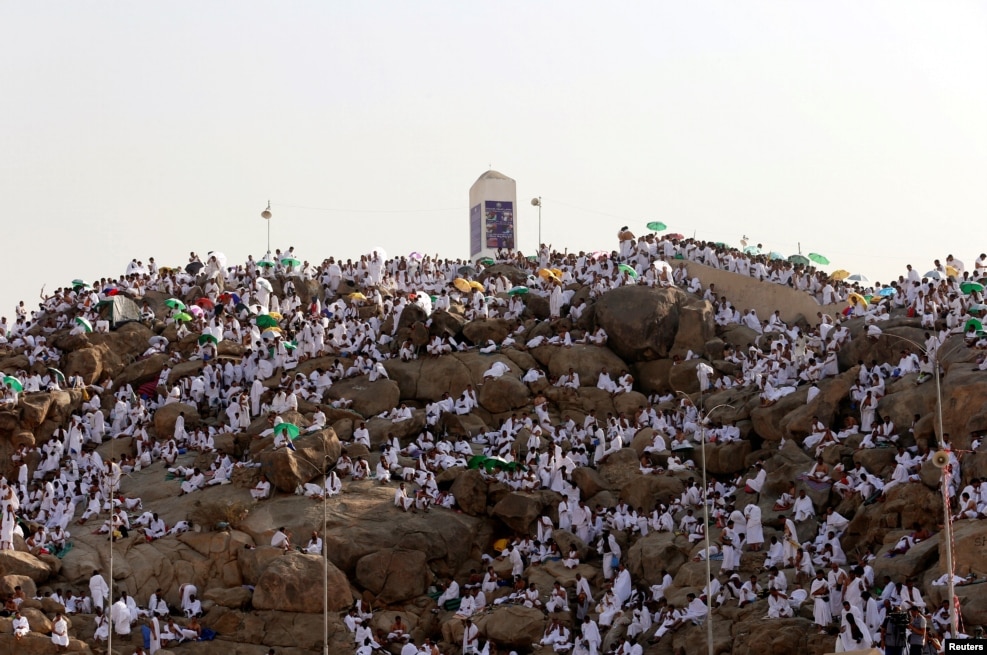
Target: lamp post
x=325, y=548
x=537, y=203
x=110, y=486
x=947, y=522
x=703, y=417
x=266, y=215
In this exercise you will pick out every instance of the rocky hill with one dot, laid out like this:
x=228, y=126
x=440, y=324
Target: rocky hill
x=255, y=596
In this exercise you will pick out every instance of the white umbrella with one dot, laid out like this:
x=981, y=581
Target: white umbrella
x=380, y=252
x=158, y=341
x=220, y=258
x=215, y=331
x=261, y=282
x=857, y=277
x=934, y=275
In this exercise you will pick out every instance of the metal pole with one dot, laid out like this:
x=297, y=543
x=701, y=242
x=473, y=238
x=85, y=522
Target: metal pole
x=947, y=517
x=325, y=547
x=539, y=223
x=709, y=573
x=703, y=416
x=947, y=511
x=325, y=563
x=109, y=608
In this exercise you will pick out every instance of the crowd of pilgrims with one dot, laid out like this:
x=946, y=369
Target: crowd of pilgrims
x=63, y=483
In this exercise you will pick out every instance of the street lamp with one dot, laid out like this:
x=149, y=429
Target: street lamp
x=266, y=215
x=703, y=418
x=325, y=547
x=537, y=203
x=947, y=511
x=110, y=487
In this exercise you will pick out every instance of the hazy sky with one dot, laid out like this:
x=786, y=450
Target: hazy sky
x=132, y=129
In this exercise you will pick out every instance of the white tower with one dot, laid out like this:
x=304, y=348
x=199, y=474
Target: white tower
x=493, y=223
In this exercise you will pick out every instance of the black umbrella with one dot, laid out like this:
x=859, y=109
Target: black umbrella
x=193, y=268
x=467, y=271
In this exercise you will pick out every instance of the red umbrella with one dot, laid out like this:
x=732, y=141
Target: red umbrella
x=205, y=303
x=148, y=389
x=675, y=237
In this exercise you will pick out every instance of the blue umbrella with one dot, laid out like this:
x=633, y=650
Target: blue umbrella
x=887, y=291
x=776, y=255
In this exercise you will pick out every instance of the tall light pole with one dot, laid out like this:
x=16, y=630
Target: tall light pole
x=110, y=478
x=266, y=215
x=703, y=417
x=947, y=510
x=537, y=203
x=325, y=547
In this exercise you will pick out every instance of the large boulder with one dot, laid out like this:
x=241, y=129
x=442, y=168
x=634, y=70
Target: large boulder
x=369, y=398
x=503, y=394
x=649, y=555
x=166, y=415
x=470, y=491
x=313, y=454
x=393, y=575
x=519, y=511
x=290, y=584
x=513, y=626
x=15, y=562
x=482, y=331
x=641, y=322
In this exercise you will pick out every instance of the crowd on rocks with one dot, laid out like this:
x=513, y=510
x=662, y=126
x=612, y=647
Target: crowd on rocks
x=351, y=313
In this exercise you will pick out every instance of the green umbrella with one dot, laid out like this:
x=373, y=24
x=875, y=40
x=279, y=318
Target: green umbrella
x=979, y=307
x=490, y=463
x=266, y=321
x=724, y=245
x=656, y=226
x=13, y=383
x=486, y=261
x=58, y=374
x=208, y=338
x=973, y=323
x=290, y=261
x=290, y=345
x=517, y=291
x=84, y=323
x=182, y=316
x=292, y=429
x=175, y=303
x=971, y=287
x=819, y=259
x=799, y=259
x=265, y=263
x=627, y=269
x=774, y=255
x=532, y=258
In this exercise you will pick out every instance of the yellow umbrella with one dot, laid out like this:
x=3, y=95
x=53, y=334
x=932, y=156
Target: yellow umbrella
x=275, y=315
x=273, y=329
x=840, y=274
x=547, y=274
x=858, y=298
x=558, y=272
x=952, y=272
x=462, y=284
x=476, y=285
x=356, y=296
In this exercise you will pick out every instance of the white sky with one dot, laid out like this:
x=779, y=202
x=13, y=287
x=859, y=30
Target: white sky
x=137, y=129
